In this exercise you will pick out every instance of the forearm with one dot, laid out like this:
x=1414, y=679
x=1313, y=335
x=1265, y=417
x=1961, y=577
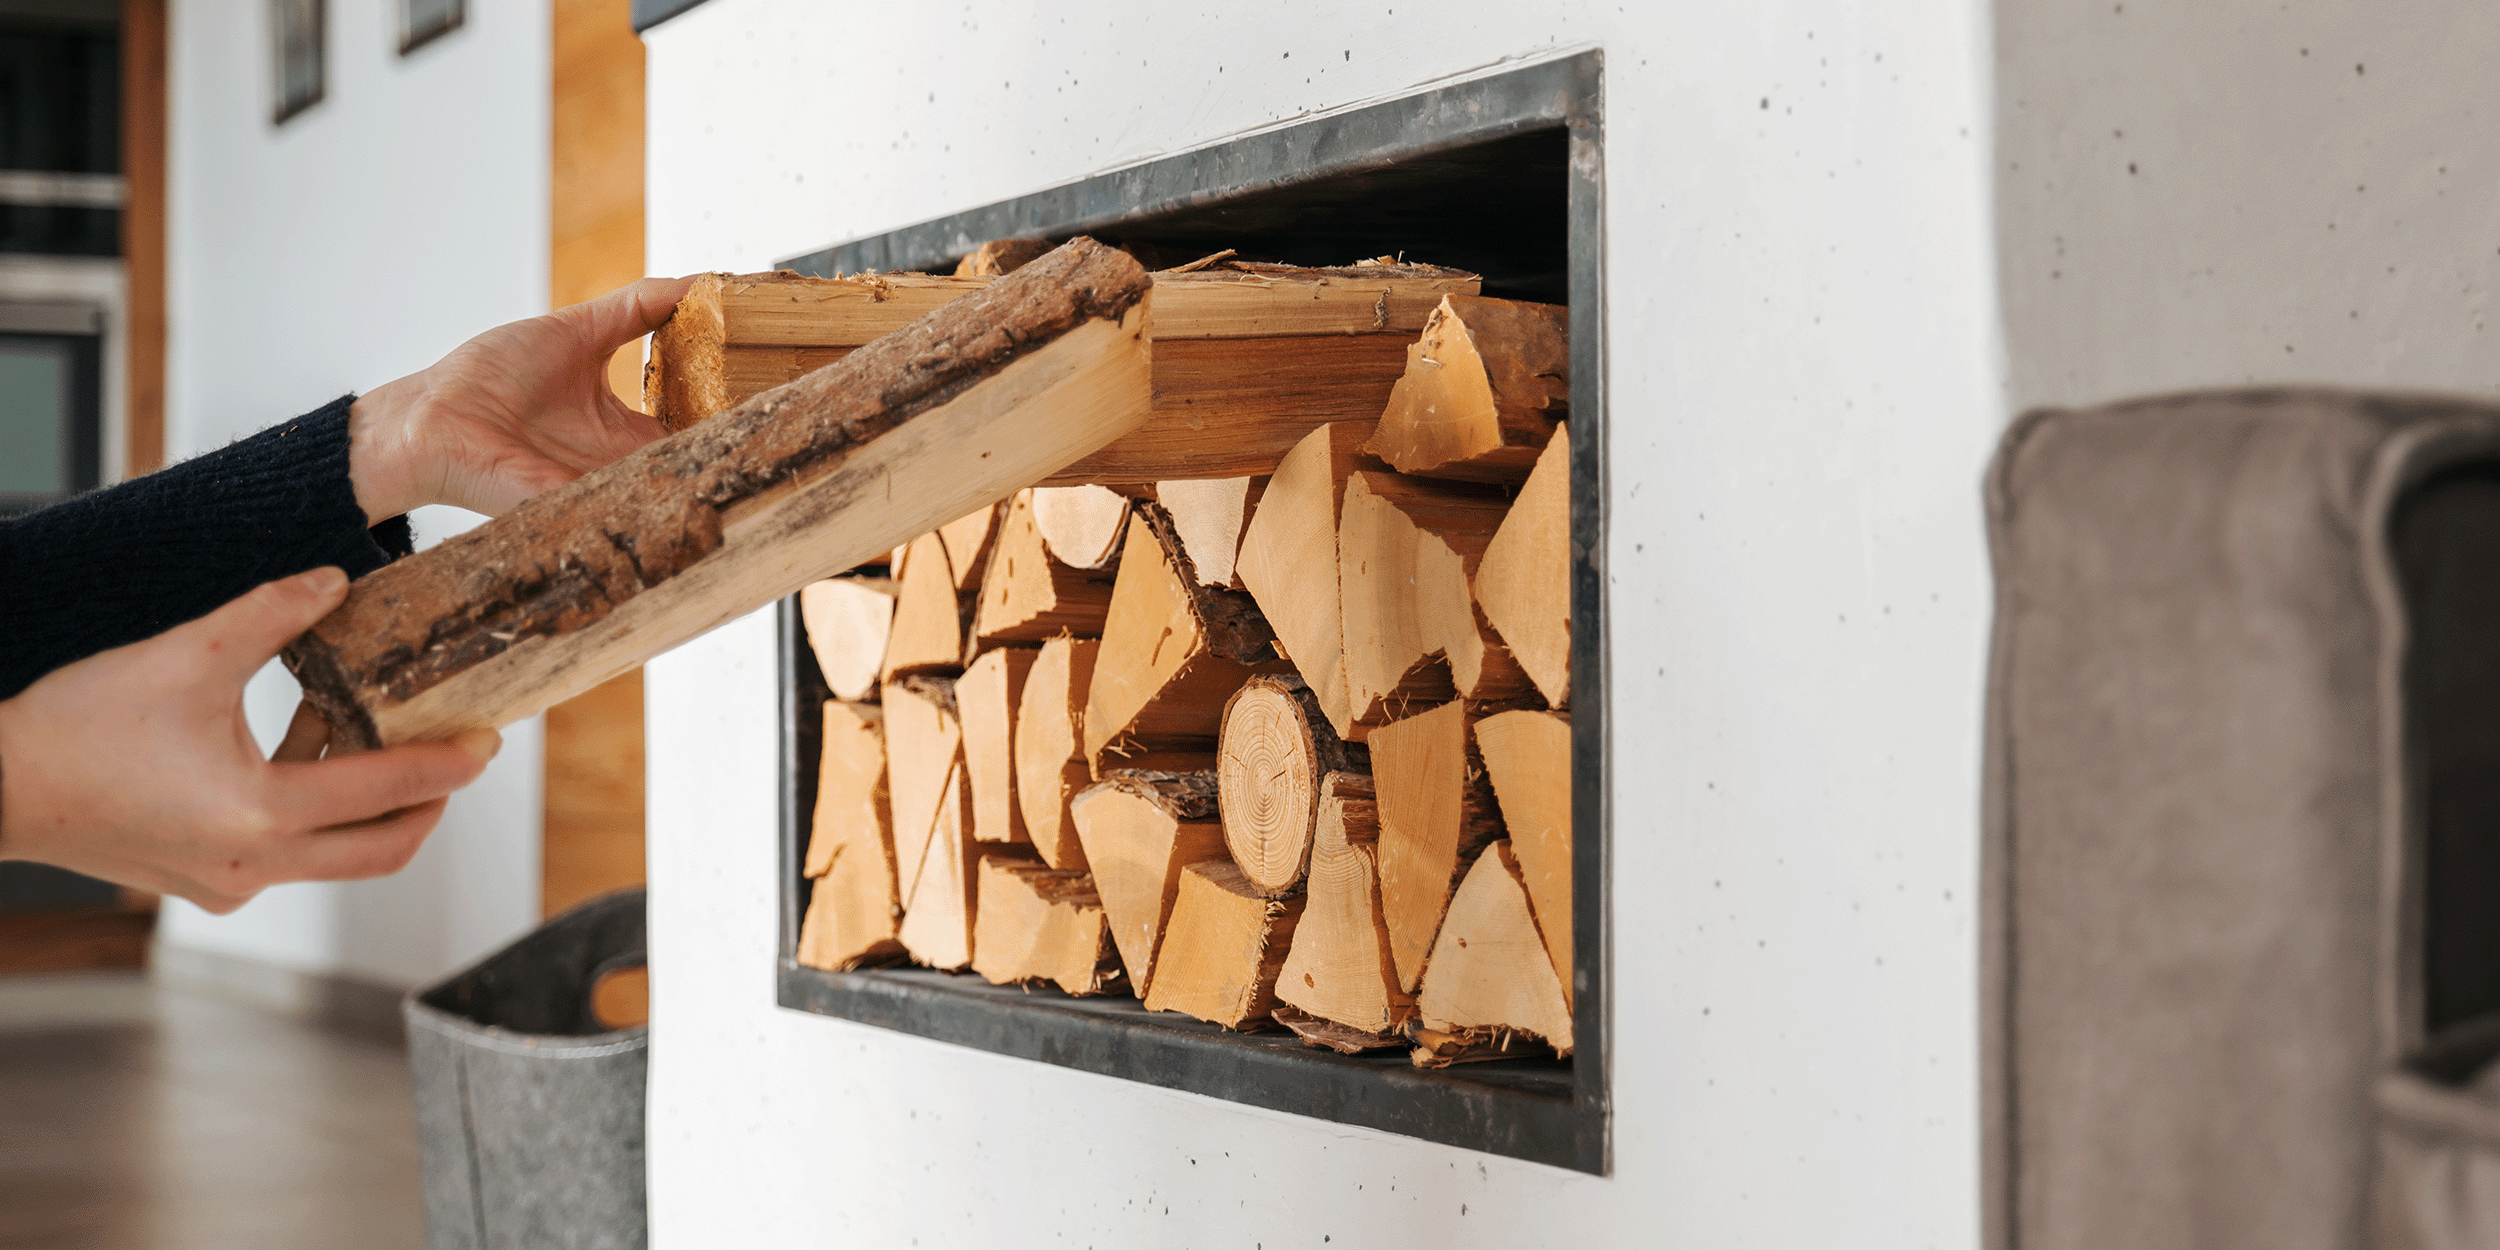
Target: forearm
x=119, y=565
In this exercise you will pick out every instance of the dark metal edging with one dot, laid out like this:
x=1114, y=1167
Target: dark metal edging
x=650, y=13
x=1566, y=93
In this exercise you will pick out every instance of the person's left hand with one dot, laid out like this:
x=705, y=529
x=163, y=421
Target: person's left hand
x=512, y=412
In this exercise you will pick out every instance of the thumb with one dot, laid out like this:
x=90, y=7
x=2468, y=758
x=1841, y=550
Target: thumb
x=242, y=636
x=628, y=312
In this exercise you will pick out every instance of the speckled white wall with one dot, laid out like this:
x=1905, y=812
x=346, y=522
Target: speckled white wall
x=1805, y=383
x=358, y=242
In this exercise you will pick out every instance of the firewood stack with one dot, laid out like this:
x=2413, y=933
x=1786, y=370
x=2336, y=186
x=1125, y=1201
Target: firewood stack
x=1286, y=746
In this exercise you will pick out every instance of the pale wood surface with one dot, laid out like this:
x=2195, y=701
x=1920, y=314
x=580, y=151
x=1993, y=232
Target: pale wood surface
x=1274, y=750
x=1489, y=973
x=1209, y=515
x=999, y=256
x=492, y=661
x=937, y=886
x=1029, y=596
x=1222, y=948
x=1249, y=300
x=1288, y=561
x=1339, y=969
x=1524, y=581
x=1050, y=768
x=1408, y=548
x=987, y=697
x=1139, y=832
x=1172, y=651
x=850, y=785
x=1042, y=924
x=928, y=628
x=849, y=620
x=967, y=539
x=1527, y=754
x=1435, y=814
x=1082, y=525
x=1483, y=388
x=923, y=748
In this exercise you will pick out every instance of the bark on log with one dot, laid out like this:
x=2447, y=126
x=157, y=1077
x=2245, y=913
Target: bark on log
x=1436, y=813
x=589, y=579
x=1524, y=581
x=1527, y=755
x=1172, y=651
x=848, y=621
x=1489, y=976
x=1140, y=829
x=1483, y=389
x=1222, y=949
x=1274, y=751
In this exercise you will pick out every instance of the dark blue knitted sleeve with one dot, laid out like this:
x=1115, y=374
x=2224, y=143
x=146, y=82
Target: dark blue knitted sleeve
x=115, y=566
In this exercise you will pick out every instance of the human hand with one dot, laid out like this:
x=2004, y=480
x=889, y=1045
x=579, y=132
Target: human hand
x=135, y=765
x=512, y=412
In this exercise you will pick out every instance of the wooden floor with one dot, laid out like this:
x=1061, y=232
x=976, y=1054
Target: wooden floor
x=137, y=1117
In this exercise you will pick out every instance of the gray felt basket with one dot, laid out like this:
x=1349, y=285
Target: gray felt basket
x=2242, y=863
x=529, y=1111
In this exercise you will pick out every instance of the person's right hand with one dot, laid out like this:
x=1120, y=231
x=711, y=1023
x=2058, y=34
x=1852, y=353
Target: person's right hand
x=135, y=765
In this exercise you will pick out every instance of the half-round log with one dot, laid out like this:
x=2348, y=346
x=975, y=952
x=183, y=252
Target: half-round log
x=1081, y=525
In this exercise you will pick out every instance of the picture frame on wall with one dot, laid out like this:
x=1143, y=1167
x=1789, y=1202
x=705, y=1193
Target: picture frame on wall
x=423, y=21
x=298, y=39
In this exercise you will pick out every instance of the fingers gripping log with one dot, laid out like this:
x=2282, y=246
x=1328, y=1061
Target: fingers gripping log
x=987, y=394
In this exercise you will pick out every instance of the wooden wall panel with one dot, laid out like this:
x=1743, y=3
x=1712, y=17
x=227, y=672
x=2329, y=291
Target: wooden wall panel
x=593, y=840
x=143, y=228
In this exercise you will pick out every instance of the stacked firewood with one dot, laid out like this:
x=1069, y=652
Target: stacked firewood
x=1290, y=747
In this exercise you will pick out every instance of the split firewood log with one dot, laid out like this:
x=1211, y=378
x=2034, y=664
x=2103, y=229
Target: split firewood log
x=1489, y=980
x=1527, y=754
x=1029, y=595
x=923, y=754
x=967, y=539
x=572, y=587
x=1172, y=651
x=1081, y=525
x=1288, y=561
x=1209, y=514
x=1001, y=256
x=1049, y=737
x=848, y=621
x=986, y=697
x=1436, y=814
x=1140, y=829
x=1524, y=580
x=1274, y=751
x=1407, y=550
x=1339, y=969
x=851, y=916
x=735, y=336
x=938, y=891
x=1222, y=948
x=1483, y=389
x=928, y=630
x=1037, y=923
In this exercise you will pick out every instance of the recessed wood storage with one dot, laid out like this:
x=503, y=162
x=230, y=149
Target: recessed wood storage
x=1213, y=755
x=1204, y=753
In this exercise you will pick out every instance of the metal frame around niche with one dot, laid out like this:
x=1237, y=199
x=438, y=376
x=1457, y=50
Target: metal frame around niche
x=1546, y=1111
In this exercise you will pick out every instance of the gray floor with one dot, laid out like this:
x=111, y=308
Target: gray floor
x=132, y=1116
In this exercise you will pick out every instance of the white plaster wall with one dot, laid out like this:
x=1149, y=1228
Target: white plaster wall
x=358, y=242
x=1805, y=383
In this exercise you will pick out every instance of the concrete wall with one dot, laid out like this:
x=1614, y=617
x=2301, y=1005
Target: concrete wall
x=356, y=243
x=1806, y=384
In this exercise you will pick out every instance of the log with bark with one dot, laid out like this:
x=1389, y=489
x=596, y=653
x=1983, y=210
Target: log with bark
x=1172, y=651
x=1140, y=829
x=1483, y=389
x=979, y=398
x=850, y=849
x=1339, y=969
x=1274, y=751
x=1209, y=515
x=1222, y=948
x=1489, y=983
x=1408, y=548
x=848, y=621
x=1028, y=595
x=1036, y=923
x=1524, y=581
x=1248, y=357
x=1436, y=813
x=1049, y=738
x=1527, y=755
x=986, y=697
x=1288, y=561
